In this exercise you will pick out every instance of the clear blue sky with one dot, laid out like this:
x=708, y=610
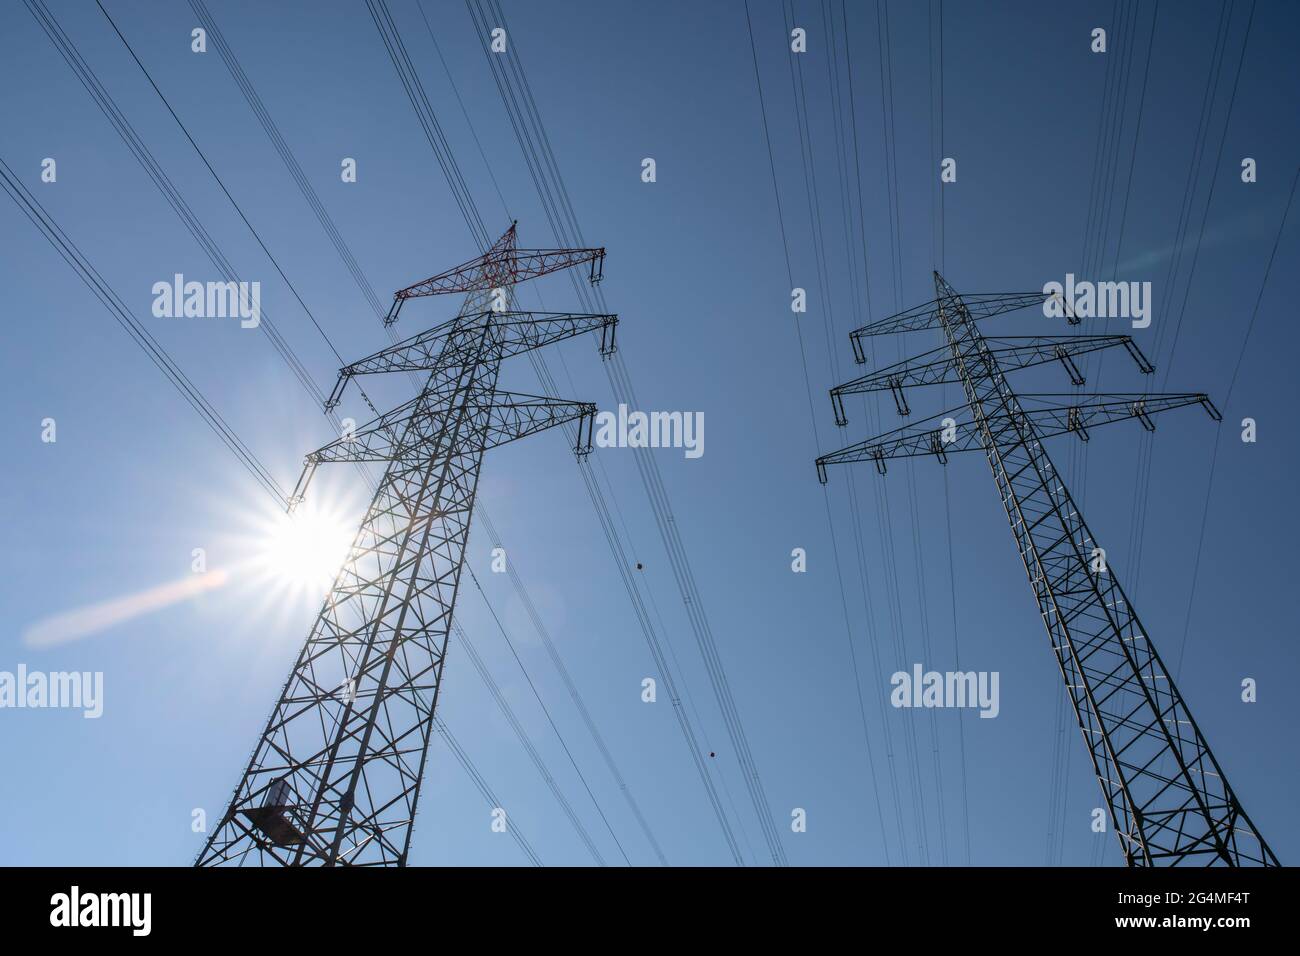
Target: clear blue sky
x=696, y=270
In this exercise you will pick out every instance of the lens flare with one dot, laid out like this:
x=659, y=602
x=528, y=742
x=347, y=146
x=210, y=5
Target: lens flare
x=89, y=620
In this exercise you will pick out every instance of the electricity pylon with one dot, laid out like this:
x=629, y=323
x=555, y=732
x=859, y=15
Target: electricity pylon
x=1168, y=798
x=335, y=777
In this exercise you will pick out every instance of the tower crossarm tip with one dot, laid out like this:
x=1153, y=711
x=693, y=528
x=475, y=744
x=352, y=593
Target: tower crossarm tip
x=515, y=415
x=523, y=331
x=300, y=489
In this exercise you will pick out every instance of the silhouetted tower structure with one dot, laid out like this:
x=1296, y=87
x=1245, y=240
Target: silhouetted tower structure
x=1168, y=798
x=335, y=777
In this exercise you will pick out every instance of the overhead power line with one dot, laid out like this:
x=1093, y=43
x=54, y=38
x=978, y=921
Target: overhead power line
x=74, y=257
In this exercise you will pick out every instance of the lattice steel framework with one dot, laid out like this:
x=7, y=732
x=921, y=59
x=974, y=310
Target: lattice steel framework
x=335, y=777
x=1169, y=800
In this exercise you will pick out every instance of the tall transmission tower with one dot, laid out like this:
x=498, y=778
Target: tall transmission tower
x=335, y=777
x=1168, y=798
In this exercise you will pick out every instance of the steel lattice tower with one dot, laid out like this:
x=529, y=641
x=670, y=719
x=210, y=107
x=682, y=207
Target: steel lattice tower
x=335, y=777
x=1169, y=800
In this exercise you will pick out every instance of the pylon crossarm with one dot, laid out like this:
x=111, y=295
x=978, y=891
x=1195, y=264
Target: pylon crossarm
x=981, y=305
x=524, y=331
x=514, y=415
x=483, y=263
x=937, y=366
x=441, y=347
x=510, y=416
x=376, y=440
x=433, y=349
x=1049, y=414
x=515, y=332
x=505, y=267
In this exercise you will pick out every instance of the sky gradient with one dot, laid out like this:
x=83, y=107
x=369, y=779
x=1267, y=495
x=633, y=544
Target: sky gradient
x=696, y=269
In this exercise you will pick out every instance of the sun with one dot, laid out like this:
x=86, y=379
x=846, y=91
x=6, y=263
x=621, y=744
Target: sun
x=282, y=564
x=303, y=551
